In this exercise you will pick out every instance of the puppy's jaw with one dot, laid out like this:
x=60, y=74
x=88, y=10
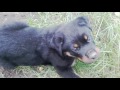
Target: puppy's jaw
x=84, y=58
x=69, y=54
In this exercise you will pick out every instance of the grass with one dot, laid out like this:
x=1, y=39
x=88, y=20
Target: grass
x=106, y=32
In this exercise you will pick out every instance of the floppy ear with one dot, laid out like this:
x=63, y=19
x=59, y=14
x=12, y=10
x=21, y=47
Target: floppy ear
x=57, y=42
x=83, y=21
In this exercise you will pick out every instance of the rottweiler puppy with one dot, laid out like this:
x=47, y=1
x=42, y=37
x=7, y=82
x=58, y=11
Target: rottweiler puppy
x=58, y=46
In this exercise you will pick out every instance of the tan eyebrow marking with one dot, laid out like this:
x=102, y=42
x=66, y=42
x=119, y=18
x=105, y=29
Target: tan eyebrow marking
x=75, y=45
x=85, y=37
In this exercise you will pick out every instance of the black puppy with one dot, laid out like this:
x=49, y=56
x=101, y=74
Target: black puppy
x=21, y=44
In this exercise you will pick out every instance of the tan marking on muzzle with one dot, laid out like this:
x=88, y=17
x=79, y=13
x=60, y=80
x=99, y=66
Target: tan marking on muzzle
x=85, y=59
x=68, y=54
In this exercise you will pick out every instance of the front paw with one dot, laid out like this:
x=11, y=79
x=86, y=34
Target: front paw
x=75, y=76
x=71, y=76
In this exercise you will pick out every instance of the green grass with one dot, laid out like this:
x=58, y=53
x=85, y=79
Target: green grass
x=106, y=32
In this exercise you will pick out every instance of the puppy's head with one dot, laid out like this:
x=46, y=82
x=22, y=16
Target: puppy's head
x=74, y=40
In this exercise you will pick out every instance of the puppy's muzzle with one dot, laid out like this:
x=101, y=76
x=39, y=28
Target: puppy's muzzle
x=92, y=53
x=89, y=57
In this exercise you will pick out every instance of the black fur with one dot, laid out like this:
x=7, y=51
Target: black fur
x=21, y=44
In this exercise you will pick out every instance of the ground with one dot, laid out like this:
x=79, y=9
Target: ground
x=106, y=32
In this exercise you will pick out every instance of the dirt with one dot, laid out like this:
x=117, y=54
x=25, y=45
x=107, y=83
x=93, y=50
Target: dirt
x=6, y=17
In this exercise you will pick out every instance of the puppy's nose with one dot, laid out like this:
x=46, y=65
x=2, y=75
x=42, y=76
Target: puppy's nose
x=92, y=54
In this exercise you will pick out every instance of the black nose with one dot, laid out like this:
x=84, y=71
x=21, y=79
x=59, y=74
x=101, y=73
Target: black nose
x=92, y=54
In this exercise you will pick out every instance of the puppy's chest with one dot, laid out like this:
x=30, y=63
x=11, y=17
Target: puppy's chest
x=66, y=62
x=73, y=63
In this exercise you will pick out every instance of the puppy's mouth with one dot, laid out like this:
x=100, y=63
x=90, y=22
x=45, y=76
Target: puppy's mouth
x=89, y=57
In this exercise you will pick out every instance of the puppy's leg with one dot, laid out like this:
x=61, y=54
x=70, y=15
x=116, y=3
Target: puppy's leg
x=6, y=64
x=66, y=72
x=63, y=67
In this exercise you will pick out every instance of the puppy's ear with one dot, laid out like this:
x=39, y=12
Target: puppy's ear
x=57, y=42
x=82, y=21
